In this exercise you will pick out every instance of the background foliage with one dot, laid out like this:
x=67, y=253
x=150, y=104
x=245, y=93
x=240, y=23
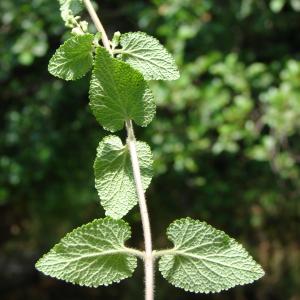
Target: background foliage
x=225, y=140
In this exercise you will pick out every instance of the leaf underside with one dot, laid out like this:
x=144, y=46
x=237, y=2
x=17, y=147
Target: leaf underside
x=119, y=93
x=114, y=178
x=91, y=255
x=147, y=55
x=205, y=259
x=74, y=58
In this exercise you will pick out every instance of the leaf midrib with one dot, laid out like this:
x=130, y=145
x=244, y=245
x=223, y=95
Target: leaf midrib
x=98, y=254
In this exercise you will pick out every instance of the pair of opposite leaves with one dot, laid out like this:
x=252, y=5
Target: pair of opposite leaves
x=203, y=259
x=118, y=92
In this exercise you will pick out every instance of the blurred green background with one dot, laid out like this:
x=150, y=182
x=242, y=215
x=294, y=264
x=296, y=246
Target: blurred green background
x=226, y=139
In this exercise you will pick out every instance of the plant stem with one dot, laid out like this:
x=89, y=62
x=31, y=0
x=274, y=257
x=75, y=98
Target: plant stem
x=149, y=259
x=131, y=142
x=159, y=253
x=135, y=252
x=98, y=24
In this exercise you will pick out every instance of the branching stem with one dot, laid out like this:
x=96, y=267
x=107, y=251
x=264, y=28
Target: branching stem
x=131, y=142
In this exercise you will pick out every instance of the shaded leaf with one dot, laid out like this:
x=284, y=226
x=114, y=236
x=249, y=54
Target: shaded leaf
x=74, y=58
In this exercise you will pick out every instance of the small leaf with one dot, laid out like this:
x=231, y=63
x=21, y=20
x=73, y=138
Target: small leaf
x=206, y=259
x=114, y=177
x=119, y=93
x=91, y=255
x=70, y=8
x=147, y=55
x=74, y=58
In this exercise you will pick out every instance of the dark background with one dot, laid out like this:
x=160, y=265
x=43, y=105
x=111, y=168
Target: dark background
x=225, y=140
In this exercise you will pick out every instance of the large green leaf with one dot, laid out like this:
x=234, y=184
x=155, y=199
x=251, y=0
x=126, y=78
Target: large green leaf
x=205, y=259
x=147, y=55
x=74, y=58
x=114, y=177
x=118, y=93
x=91, y=255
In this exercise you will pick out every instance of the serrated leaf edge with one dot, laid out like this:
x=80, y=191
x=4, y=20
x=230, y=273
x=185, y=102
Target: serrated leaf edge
x=125, y=147
x=173, y=253
x=146, y=121
x=53, y=57
x=86, y=226
x=167, y=52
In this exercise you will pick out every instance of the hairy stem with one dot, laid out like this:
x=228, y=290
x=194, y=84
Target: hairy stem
x=131, y=142
x=148, y=259
x=159, y=253
x=98, y=24
x=135, y=252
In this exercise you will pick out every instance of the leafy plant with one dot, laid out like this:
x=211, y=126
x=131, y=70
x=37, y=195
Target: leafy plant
x=203, y=258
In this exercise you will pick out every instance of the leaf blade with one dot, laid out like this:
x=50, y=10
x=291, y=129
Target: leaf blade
x=145, y=53
x=205, y=259
x=114, y=179
x=91, y=255
x=119, y=93
x=73, y=59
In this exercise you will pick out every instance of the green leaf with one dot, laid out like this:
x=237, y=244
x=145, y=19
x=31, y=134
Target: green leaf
x=205, y=259
x=147, y=55
x=74, y=58
x=118, y=93
x=70, y=8
x=114, y=177
x=91, y=255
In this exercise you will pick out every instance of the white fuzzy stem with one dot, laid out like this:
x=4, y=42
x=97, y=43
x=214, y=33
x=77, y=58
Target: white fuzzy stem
x=149, y=259
x=131, y=142
x=98, y=24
